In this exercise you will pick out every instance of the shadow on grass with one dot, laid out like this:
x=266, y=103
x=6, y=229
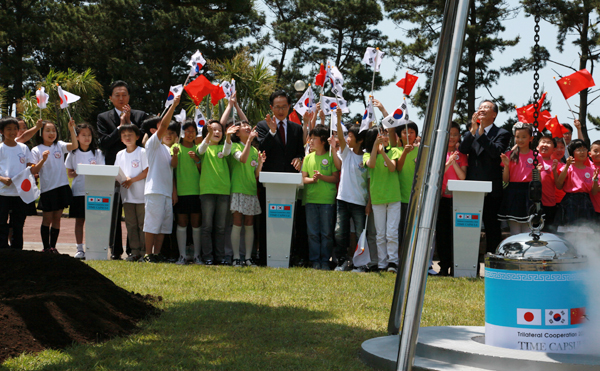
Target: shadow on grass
x=207, y=335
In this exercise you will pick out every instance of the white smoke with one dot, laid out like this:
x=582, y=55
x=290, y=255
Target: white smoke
x=586, y=240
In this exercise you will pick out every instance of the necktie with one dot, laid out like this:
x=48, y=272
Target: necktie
x=281, y=131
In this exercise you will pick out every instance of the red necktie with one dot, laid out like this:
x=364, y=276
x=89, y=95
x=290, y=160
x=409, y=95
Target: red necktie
x=281, y=131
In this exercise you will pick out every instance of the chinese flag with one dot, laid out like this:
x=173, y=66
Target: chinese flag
x=199, y=88
x=320, y=78
x=217, y=94
x=294, y=117
x=525, y=113
x=577, y=316
x=407, y=83
x=556, y=128
x=573, y=84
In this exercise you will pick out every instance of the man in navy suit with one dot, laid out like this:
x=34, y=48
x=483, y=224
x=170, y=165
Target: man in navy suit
x=110, y=143
x=484, y=143
x=283, y=143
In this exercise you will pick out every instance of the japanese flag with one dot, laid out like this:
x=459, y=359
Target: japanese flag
x=174, y=91
x=397, y=118
x=200, y=121
x=196, y=63
x=329, y=104
x=373, y=58
x=181, y=119
x=306, y=102
x=368, y=117
x=362, y=256
x=531, y=317
x=66, y=98
x=25, y=184
x=42, y=97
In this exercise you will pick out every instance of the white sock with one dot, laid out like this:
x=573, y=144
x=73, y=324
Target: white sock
x=196, y=239
x=235, y=240
x=181, y=239
x=249, y=240
x=79, y=247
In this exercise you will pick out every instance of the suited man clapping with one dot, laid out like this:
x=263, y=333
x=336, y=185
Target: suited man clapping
x=484, y=143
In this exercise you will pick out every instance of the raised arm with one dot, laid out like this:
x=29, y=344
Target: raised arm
x=74, y=144
x=162, y=126
x=29, y=133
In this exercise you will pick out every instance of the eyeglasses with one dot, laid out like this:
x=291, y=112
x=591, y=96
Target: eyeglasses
x=281, y=108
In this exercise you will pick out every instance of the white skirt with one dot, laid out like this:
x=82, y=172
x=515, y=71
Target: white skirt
x=245, y=204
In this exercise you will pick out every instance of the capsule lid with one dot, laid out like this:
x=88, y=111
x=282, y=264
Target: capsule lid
x=548, y=247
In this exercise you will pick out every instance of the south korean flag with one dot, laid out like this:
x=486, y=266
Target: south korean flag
x=368, y=117
x=373, y=58
x=329, y=104
x=226, y=86
x=306, y=102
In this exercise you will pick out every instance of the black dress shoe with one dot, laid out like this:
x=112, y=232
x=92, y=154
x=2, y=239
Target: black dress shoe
x=115, y=257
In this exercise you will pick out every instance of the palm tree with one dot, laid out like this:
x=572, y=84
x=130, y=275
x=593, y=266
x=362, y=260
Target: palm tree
x=83, y=84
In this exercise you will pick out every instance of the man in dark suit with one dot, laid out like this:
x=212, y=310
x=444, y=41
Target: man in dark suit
x=283, y=143
x=110, y=143
x=484, y=143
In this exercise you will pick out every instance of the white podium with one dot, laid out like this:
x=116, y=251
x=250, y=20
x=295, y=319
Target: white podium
x=281, y=191
x=467, y=209
x=99, y=205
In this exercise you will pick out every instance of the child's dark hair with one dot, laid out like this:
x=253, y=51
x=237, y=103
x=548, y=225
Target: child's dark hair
x=174, y=127
x=210, y=122
x=94, y=142
x=355, y=130
x=236, y=139
x=8, y=121
x=514, y=155
x=40, y=139
x=596, y=142
x=550, y=138
x=130, y=127
x=189, y=123
x=410, y=125
x=577, y=143
x=370, y=137
x=150, y=123
x=323, y=133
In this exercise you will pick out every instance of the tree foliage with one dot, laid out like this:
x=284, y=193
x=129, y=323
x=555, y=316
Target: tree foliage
x=423, y=19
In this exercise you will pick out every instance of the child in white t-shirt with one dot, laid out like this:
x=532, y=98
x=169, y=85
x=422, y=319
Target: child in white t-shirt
x=158, y=192
x=134, y=163
x=56, y=193
x=14, y=158
x=89, y=154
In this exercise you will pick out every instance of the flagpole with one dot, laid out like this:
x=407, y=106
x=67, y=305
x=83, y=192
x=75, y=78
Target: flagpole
x=69, y=113
x=163, y=112
x=573, y=113
x=374, y=68
x=405, y=123
x=186, y=80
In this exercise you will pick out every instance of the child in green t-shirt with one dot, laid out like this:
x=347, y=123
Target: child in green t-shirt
x=385, y=196
x=244, y=199
x=406, y=167
x=186, y=163
x=320, y=177
x=215, y=186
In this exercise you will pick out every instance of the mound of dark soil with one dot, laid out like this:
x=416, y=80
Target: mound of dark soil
x=53, y=301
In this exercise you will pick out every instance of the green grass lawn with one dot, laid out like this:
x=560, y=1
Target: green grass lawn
x=224, y=318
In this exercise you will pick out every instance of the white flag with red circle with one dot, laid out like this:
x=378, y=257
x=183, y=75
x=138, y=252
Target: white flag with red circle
x=25, y=184
x=66, y=98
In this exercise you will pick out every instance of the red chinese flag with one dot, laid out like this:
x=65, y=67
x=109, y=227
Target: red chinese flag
x=577, y=316
x=217, y=94
x=199, y=88
x=573, y=84
x=556, y=128
x=525, y=113
x=407, y=83
x=320, y=78
x=293, y=117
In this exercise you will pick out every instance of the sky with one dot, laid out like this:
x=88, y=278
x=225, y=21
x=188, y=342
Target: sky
x=517, y=89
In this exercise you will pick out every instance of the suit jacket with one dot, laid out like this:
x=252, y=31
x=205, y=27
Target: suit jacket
x=279, y=156
x=484, y=156
x=108, y=135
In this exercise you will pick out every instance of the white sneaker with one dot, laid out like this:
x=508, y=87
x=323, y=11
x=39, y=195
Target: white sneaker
x=181, y=261
x=80, y=255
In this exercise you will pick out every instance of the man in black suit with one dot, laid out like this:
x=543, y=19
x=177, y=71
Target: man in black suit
x=484, y=143
x=110, y=143
x=283, y=143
